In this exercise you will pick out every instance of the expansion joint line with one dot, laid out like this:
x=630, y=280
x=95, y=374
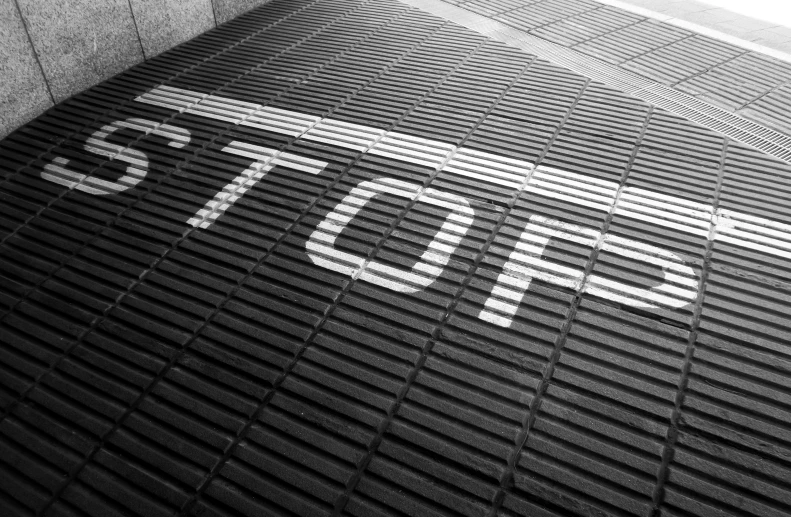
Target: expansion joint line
x=672, y=434
x=137, y=30
x=96, y=235
x=535, y=405
x=415, y=370
x=761, y=95
x=708, y=69
x=174, y=359
x=308, y=342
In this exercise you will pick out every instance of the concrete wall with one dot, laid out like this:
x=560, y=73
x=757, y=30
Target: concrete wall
x=52, y=49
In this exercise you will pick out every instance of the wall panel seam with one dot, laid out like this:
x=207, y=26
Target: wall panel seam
x=137, y=30
x=35, y=53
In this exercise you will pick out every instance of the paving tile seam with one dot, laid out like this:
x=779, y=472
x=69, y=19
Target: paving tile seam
x=451, y=307
x=673, y=430
x=766, y=140
x=196, y=498
x=436, y=334
x=691, y=36
x=601, y=8
x=547, y=377
x=142, y=135
x=175, y=358
x=586, y=40
x=699, y=29
x=606, y=4
x=79, y=97
x=704, y=71
x=98, y=234
x=747, y=104
x=593, y=9
x=535, y=404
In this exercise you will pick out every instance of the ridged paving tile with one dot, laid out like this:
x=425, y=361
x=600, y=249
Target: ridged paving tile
x=738, y=82
x=298, y=306
x=598, y=440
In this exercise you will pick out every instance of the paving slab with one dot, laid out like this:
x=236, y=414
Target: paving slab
x=344, y=257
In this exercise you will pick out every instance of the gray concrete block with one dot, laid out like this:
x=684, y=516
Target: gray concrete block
x=226, y=10
x=81, y=42
x=163, y=24
x=23, y=92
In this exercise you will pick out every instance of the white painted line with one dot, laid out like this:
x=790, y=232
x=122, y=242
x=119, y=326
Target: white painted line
x=752, y=232
x=290, y=123
x=231, y=193
x=264, y=160
x=281, y=121
x=96, y=144
x=684, y=215
x=413, y=149
x=321, y=244
x=525, y=263
x=699, y=29
x=681, y=283
x=433, y=261
x=344, y=134
x=490, y=168
x=680, y=287
x=663, y=210
x=574, y=188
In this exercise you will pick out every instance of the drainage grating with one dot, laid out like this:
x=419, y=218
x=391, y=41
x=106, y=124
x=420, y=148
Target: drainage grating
x=711, y=117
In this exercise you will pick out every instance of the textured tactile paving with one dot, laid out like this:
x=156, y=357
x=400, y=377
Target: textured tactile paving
x=342, y=257
x=646, y=73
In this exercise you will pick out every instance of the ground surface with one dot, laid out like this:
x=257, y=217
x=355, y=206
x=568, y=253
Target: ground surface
x=345, y=257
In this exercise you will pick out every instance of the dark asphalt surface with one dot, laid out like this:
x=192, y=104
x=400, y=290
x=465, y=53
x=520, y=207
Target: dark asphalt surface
x=152, y=363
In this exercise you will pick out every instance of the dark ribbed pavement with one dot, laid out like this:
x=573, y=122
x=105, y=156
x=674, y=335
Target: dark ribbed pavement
x=149, y=366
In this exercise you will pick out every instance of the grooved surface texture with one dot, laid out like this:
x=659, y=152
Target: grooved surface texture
x=344, y=257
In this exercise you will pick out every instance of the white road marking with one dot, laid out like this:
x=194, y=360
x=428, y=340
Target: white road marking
x=321, y=244
x=57, y=172
x=412, y=149
x=663, y=210
x=753, y=232
x=653, y=207
x=344, y=134
x=490, y=168
x=235, y=189
x=281, y=121
x=265, y=160
x=525, y=263
x=679, y=289
x=276, y=120
x=435, y=258
x=573, y=188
